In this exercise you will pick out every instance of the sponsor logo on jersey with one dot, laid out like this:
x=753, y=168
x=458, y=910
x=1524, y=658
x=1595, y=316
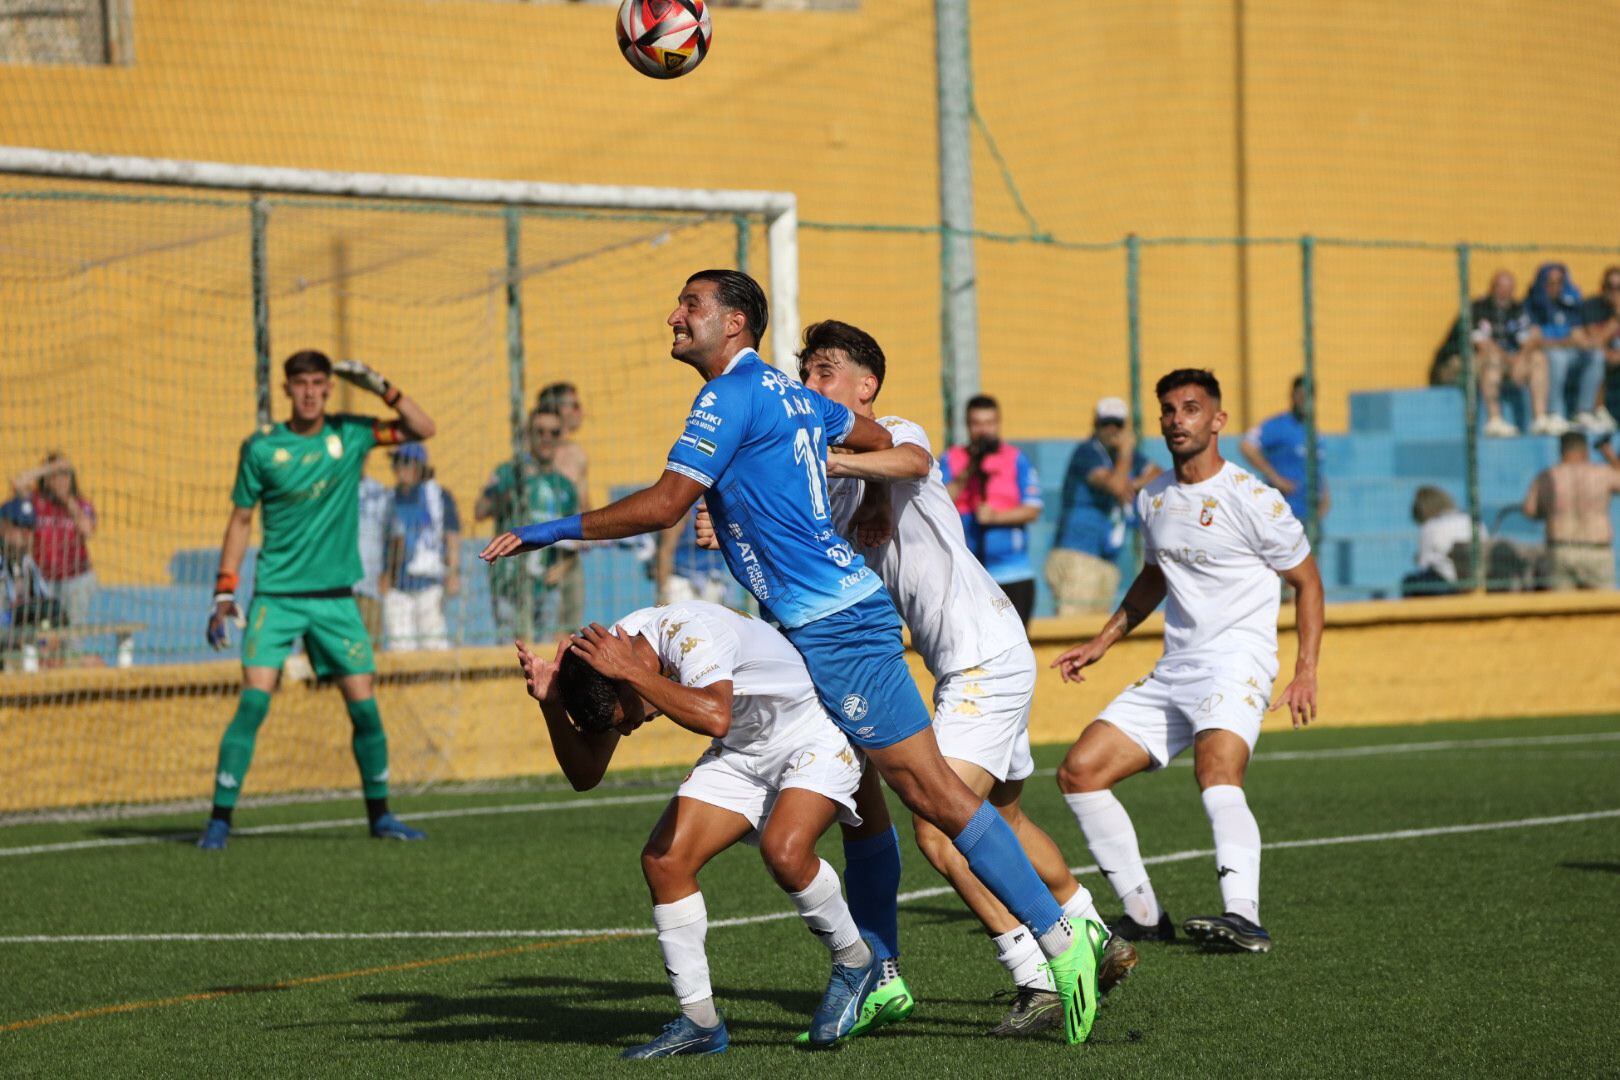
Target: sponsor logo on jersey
x=708, y=421
x=755, y=573
x=1277, y=508
x=1001, y=604
x=865, y=732
x=840, y=554
x=707, y=400
x=226, y=780
x=1186, y=556
x=1206, y=516
x=334, y=445
x=689, y=644
x=771, y=379
x=968, y=708
x=849, y=581
x=706, y=671
x=847, y=756
x=854, y=707
x=671, y=630
x=802, y=760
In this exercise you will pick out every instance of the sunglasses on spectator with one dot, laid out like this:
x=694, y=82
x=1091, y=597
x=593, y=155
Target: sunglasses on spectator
x=552, y=431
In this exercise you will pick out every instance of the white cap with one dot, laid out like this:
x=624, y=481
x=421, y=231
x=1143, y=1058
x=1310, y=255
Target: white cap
x=1113, y=408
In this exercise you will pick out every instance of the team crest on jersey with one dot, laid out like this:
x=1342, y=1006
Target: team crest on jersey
x=334, y=445
x=1158, y=502
x=1206, y=516
x=281, y=456
x=854, y=707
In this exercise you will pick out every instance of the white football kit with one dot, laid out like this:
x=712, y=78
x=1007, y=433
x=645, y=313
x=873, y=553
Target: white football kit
x=961, y=622
x=780, y=735
x=1220, y=544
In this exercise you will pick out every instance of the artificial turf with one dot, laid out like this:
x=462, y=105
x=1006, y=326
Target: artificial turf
x=1472, y=953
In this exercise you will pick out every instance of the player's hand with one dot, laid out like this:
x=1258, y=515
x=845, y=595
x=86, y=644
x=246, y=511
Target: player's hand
x=985, y=514
x=607, y=652
x=706, y=537
x=540, y=676
x=873, y=522
x=1284, y=485
x=1073, y=663
x=1300, y=697
x=226, y=613
x=358, y=374
x=503, y=545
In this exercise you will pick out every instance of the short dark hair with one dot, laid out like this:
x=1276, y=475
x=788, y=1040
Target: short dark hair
x=739, y=292
x=1573, y=440
x=981, y=401
x=550, y=397
x=861, y=348
x=1187, y=376
x=1299, y=381
x=305, y=362
x=590, y=697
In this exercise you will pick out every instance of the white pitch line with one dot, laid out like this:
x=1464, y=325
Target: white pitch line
x=630, y=800
x=774, y=916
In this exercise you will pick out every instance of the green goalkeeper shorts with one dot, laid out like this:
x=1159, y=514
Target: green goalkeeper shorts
x=333, y=633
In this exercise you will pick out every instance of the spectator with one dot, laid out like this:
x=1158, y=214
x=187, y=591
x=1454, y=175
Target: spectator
x=532, y=489
x=1600, y=318
x=685, y=571
x=1441, y=529
x=376, y=514
x=1504, y=349
x=1276, y=449
x=28, y=598
x=1574, y=372
x=1099, y=500
x=562, y=398
x=424, y=556
x=64, y=521
x=1573, y=498
x=998, y=495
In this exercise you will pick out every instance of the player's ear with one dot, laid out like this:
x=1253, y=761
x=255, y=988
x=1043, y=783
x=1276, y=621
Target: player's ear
x=1219, y=421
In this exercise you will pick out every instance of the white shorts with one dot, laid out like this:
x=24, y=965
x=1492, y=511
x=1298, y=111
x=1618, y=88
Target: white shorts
x=1165, y=711
x=981, y=715
x=748, y=784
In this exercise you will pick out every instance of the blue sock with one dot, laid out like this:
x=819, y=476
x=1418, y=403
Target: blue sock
x=872, y=881
x=995, y=857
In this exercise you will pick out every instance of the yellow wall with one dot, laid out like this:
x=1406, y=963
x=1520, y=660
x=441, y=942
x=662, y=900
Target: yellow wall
x=1363, y=118
x=152, y=734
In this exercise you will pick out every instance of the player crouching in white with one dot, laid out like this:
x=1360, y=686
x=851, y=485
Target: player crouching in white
x=973, y=642
x=778, y=773
x=1215, y=540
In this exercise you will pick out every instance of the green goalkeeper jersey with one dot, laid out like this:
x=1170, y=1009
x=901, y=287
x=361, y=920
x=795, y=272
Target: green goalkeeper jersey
x=309, y=486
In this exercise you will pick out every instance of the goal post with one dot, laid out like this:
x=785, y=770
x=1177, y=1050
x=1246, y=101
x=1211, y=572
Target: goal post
x=145, y=304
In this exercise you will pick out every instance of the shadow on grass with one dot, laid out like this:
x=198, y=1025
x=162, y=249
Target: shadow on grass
x=189, y=836
x=1597, y=867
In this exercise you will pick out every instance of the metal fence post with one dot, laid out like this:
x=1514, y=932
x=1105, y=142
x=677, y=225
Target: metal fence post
x=259, y=220
x=741, y=223
x=1470, y=389
x=1133, y=352
x=516, y=396
x=959, y=298
x=1313, y=478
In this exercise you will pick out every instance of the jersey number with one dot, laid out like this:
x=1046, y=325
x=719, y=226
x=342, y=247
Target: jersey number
x=815, y=470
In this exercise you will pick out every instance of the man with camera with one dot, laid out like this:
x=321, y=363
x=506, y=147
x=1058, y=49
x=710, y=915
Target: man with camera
x=998, y=495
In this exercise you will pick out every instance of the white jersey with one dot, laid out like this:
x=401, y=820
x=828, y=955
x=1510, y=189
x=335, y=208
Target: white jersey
x=958, y=615
x=773, y=700
x=1221, y=544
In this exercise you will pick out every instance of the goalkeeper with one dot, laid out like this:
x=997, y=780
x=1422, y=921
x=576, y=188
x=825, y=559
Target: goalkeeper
x=306, y=473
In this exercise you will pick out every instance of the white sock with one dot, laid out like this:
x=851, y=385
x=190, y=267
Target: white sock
x=1020, y=954
x=822, y=907
x=1058, y=938
x=1112, y=840
x=682, y=928
x=1237, y=849
x=1080, y=906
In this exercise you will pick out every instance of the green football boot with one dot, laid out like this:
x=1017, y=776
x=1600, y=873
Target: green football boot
x=887, y=1004
x=1074, y=973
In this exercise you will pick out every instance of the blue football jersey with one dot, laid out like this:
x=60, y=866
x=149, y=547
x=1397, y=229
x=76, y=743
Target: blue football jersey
x=757, y=440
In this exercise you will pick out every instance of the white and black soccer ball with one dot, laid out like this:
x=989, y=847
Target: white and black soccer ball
x=664, y=39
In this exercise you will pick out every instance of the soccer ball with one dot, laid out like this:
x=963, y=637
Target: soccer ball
x=664, y=39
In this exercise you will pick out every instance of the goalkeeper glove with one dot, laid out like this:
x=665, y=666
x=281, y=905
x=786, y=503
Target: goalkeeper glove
x=357, y=373
x=225, y=612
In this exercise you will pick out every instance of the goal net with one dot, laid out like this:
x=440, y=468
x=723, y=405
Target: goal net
x=146, y=307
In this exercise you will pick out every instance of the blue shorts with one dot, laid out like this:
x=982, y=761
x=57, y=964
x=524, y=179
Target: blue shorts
x=857, y=659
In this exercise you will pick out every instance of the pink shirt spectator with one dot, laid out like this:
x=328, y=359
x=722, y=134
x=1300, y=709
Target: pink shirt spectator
x=59, y=547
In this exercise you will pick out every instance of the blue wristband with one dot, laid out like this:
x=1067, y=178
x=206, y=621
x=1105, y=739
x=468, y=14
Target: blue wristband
x=545, y=533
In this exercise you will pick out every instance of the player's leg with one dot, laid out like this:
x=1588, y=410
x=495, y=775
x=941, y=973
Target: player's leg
x=689, y=834
x=1103, y=756
x=272, y=627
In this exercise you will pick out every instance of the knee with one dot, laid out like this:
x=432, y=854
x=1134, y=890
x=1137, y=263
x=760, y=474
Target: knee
x=1078, y=774
x=791, y=862
x=661, y=867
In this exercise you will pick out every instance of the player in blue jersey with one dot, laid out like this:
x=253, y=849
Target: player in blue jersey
x=754, y=448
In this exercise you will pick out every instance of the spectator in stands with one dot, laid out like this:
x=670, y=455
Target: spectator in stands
x=532, y=489
x=1276, y=449
x=1441, y=529
x=424, y=556
x=64, y=521
x=998, y=495
x=562, y=398
x=27, y=595
x=1504, y=350
x=1574, y=373
x=1099, y=508
x=685, y=571
x=1573, y=497
x=376, y=514
x=1600, y=318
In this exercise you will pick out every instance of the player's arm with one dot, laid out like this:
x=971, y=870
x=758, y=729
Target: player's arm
x=1309, y=615
x=582, y=756
x=648, y=510
x=233, y=546
x=907, y=461
x=705, y=710
x=413, y=425
x=1141, y=599
x=865, y=436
